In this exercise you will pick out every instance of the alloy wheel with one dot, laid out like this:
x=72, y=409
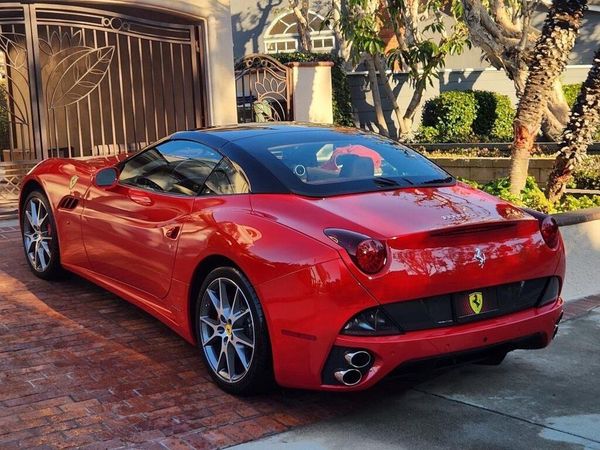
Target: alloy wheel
x=37, y=234
x=227, y=330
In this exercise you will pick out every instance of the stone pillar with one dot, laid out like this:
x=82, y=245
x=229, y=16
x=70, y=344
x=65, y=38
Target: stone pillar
x=312, y=91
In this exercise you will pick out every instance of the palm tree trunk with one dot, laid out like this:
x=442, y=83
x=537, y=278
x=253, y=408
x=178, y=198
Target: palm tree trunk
x=585, y=118
x=549, y=60
x=373, y=82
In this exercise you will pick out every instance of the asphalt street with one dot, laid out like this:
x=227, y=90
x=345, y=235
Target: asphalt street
x=542, y=399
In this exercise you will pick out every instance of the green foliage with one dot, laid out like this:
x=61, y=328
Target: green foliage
x=342, y=102
x=533, y=197
x=571, y=92
x=360, y=24
x=495, y=116
x=587, y=174
x=452, y=115
x=467, y=116
x=425, y=57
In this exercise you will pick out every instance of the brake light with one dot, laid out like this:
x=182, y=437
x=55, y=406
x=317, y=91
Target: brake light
x=368, y=254
x=548, y=227
x=549, y=230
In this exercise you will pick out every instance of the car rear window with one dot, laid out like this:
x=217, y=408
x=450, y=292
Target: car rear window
x=343, y=164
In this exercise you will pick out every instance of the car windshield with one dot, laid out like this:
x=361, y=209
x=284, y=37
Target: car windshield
x=344, y=164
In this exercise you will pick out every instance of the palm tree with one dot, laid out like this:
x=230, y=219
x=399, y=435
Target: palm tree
x=550, y=57
x=585, y=118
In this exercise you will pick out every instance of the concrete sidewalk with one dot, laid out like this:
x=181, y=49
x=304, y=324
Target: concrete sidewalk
x=536, y=399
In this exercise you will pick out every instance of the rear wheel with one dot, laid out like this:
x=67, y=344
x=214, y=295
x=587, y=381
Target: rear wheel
x=40, y=240
x=232, y=333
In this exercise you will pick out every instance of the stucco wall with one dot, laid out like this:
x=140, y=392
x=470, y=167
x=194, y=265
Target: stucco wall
x=582, y=242
x=484, y=170
x=219, y=42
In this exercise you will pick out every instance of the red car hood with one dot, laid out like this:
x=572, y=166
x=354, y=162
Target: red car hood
x=432, y=235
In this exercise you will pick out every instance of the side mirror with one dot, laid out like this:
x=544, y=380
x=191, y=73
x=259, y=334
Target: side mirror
x=106, y=178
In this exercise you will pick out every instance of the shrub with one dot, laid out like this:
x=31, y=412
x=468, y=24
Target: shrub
x=342, y=101
x=533, y=197
x=587, y=174
x=571, y=92
x=467, y=116
x=452, y=114
x=495, y=116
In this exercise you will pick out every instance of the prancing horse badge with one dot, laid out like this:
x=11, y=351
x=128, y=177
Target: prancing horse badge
x=73, y=181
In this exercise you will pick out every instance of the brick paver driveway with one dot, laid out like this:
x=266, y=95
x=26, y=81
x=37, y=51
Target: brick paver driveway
x=79, y=367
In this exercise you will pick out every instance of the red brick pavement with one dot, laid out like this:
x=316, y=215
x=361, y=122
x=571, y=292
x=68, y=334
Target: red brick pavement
x=81, y=368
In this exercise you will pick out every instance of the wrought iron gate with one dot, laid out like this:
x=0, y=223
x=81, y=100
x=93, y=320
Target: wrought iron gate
x=81, y=82
x=264, y=91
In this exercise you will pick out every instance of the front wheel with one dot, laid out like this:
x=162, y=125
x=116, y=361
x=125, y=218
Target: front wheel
x=40, y=237
x=232, y=333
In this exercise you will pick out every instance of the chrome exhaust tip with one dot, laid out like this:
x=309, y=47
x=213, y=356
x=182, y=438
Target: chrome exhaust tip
x=350, y=377
x=359, y=359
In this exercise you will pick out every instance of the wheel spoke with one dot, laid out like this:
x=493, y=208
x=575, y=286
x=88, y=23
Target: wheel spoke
x=34, y=213
x=223, y=297
x=28, y=241
x=230, y=359
x=242, y=338
x=43, y=219
x=30, y=219
x=41, y=256
x=239, y=350
x=214, y=300
x=236, y=317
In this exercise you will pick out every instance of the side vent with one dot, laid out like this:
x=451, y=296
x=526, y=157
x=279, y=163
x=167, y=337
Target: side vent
x=68, y=202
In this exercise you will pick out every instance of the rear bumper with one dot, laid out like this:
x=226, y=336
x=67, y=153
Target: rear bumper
x=532, y=328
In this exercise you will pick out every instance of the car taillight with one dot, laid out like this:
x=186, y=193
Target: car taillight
x=548, y=227
x=549, y=230
x=367, y=253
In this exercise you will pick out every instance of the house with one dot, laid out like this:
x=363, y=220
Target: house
x=267, y=26
x=99, y=77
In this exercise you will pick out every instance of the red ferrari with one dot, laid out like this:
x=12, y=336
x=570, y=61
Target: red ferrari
x=326, y=258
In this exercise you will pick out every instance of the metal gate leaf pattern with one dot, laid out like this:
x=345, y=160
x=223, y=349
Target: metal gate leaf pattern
x=263, y=89
x=87, y=70
x=78, y=82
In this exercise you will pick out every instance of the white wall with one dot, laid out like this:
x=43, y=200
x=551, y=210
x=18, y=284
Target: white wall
x=582, y=242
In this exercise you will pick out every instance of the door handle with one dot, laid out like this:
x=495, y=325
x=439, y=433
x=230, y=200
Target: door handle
x=140, y=199
x=172, y=232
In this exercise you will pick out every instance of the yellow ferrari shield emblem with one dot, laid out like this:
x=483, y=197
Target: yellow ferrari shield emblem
x=476, y=301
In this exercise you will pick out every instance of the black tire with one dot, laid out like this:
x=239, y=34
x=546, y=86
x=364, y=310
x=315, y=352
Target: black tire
x=494, y=359
x=47, y=233
x=258, y=376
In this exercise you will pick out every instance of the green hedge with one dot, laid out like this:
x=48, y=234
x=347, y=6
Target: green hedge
x=342, y=101
x=449, y=117
x=467, y=116
x=533, y=197
x=571, y=92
